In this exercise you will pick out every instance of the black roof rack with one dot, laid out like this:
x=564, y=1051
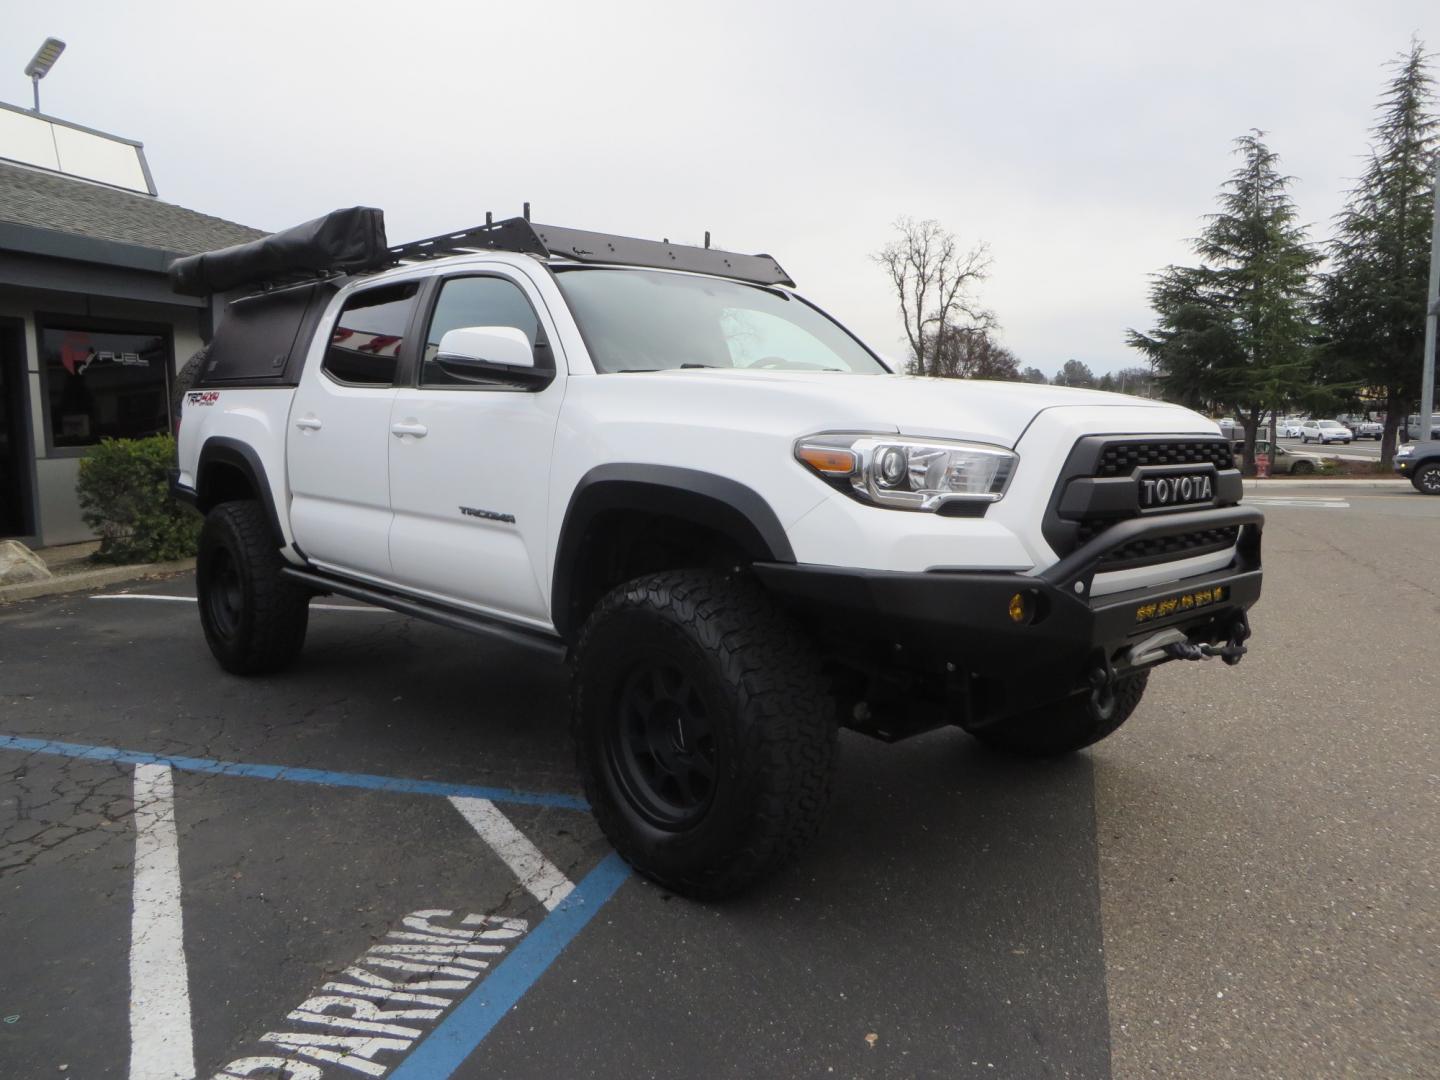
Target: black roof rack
x=593, y=247
x=579, y=245
x=353, y=241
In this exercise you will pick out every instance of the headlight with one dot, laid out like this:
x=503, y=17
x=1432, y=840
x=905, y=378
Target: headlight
x=909, y=474
x=1405, y=451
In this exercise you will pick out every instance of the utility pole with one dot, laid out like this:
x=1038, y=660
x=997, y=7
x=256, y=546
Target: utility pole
x=1432, y=313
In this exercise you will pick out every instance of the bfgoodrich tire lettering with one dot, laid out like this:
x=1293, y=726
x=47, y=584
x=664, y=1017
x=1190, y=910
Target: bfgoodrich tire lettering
x=1066, y=726
x=741, y=785
x=254, y=619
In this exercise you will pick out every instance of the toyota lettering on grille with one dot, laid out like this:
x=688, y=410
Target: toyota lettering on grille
x=1176, y=490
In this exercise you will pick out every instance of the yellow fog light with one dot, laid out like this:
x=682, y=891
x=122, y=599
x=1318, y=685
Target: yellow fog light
x=1019, y=610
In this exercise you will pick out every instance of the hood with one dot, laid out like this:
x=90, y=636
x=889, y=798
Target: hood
x=993, y=412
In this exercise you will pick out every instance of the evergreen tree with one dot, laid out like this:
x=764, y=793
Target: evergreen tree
x=1235, y=332
x=1033, y=375
x=1075, y=373
x=1372, y=304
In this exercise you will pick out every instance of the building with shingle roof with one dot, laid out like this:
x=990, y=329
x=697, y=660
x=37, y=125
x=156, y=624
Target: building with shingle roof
x=91, y=334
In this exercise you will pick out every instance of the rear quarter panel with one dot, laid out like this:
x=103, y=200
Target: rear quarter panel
x=256, y=417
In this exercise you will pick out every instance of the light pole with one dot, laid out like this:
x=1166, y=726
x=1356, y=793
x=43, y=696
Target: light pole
x=41, y=63
x=1432, y=312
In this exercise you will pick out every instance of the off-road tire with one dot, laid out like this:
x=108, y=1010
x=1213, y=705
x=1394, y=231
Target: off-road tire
x=755, y=684
x=254, y=619
x=1427, y=479
x=1066, y=726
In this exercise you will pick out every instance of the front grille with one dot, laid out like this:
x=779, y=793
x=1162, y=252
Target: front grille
x=1120, y=459
x=1094, y=482
x=1170, y=547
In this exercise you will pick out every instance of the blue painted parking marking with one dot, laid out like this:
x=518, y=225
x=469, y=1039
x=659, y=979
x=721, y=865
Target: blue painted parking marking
x=438, y=1055
x=462, y=1032
x=370, y=781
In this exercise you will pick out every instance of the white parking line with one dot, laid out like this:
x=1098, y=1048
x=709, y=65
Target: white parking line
x=161, y=1043
x=537, y=873
x=191, y=600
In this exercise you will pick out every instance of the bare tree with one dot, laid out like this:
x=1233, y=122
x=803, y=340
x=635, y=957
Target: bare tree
x=973, y=353
x=935, y=281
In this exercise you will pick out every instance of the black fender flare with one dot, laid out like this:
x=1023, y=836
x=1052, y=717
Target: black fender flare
x=715, y=502
x=232, y=453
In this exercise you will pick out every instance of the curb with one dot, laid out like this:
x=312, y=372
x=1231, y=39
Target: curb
x=1262, y=485
x=91, y=579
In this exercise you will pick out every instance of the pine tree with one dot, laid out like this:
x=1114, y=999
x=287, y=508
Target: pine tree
x=1373, y=301
x=1075, y=373
x=1235, y=332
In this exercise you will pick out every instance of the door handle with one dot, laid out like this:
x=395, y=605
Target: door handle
x=418, y=430
x=309, y=423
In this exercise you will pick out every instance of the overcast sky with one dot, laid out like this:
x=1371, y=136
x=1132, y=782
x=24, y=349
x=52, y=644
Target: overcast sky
x=1081, y=141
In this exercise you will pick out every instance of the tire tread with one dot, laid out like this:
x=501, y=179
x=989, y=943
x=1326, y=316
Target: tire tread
x=790, y=735
x=278, y=615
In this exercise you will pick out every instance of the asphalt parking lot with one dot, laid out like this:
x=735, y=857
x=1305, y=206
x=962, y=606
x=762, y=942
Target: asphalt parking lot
x=207, y=873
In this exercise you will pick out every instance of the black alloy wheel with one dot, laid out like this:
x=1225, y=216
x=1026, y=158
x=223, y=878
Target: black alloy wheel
x=704, y=729
x=223, y=593
x=254, y=618
x=661, y=745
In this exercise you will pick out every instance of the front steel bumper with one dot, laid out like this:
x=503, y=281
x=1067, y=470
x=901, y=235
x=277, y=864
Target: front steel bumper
x=961, y=621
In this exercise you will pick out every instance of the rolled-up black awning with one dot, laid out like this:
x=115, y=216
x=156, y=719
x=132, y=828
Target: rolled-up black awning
x=341, y=241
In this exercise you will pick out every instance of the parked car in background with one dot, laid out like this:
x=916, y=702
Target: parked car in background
x=1369, y=429
x=1325, y=432
x=1411, y=430
x=1284, y=462
x=1290, y=427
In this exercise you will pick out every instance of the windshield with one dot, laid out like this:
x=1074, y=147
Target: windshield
x=645, y=320
x=1331, y=423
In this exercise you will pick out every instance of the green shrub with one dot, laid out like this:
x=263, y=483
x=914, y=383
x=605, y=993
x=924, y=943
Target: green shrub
x=124, y=490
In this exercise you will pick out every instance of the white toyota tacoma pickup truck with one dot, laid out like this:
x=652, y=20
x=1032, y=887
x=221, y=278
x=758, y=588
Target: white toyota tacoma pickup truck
x=741, y=527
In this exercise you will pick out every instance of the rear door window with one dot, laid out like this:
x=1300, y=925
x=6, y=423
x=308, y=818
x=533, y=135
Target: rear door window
x=365, y=343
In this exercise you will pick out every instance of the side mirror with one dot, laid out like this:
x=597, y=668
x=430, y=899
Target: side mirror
x=489, y=354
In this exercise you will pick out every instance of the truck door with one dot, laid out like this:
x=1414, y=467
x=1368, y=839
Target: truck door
x=470, y=461
x=338, y=441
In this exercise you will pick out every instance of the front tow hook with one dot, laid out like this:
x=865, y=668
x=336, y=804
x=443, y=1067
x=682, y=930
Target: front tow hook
x=1231, y=652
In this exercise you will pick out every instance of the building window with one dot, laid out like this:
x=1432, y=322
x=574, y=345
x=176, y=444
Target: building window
x=104, y=383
